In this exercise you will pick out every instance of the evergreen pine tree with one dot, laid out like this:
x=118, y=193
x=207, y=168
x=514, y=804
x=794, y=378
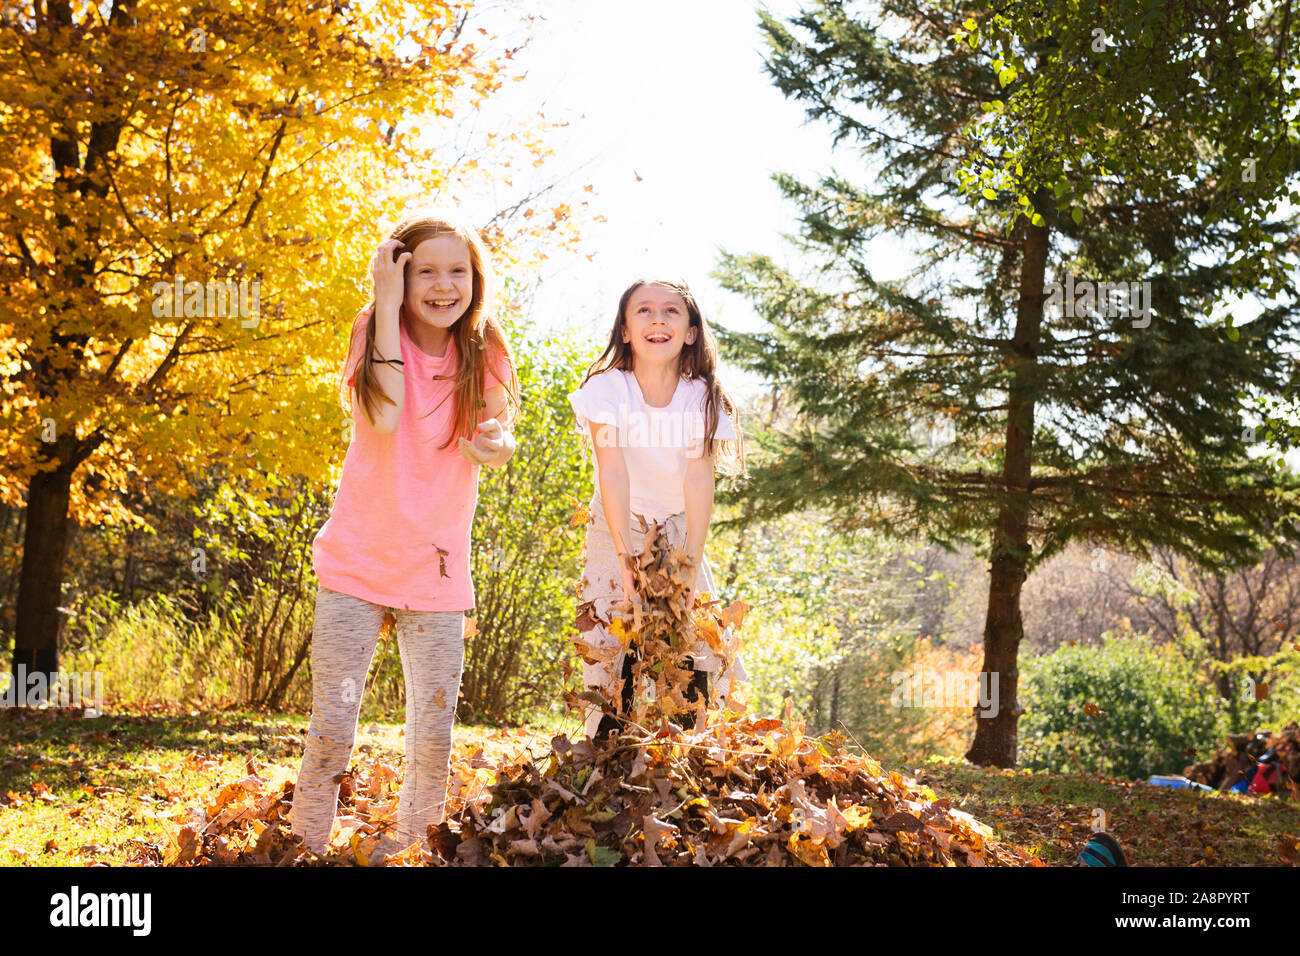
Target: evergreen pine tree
x=1066, y=423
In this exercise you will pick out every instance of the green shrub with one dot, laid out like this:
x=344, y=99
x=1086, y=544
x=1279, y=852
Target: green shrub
x=1264, y=693
x=1126, y=708
x=527, y=556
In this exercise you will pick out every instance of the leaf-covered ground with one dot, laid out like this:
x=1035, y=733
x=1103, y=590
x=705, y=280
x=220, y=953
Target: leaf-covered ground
x=1051, y=815
x=121, y=790
x=113, y=790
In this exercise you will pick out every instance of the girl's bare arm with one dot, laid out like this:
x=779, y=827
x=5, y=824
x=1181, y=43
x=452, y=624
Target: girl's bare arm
x=390, y=289
x=615, y=495
x=388, y=345
x=698, y=491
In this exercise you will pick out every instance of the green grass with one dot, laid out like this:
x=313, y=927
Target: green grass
x=93, y=790
x=79, y=791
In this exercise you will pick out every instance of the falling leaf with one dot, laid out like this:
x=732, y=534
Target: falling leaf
x=734, y=613
x=581, y=514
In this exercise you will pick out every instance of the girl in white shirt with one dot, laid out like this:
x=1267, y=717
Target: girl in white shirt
x=658, y=420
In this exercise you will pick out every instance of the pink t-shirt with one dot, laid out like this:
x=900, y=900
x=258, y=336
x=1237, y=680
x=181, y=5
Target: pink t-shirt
x=401, y=498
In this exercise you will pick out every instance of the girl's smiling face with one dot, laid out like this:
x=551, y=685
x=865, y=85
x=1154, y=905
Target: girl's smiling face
x=439, y=281
x=657, y=325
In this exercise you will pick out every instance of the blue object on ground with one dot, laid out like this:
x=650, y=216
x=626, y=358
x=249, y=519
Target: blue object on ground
x=1102, y=850
x=1176, y=782
x=1239, y=787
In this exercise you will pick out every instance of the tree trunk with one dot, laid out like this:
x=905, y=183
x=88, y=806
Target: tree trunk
x=129, y=569
x=995, y=735
x=995, y=732
x=45, y=542
x=36, y=630
x=9, y=591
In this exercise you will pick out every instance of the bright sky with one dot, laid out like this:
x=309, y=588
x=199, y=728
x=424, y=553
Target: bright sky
x=674, y=93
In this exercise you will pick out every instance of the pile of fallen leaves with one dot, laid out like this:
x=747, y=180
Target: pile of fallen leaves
x=1243, y=751
x=731, y=791
x=742, y=793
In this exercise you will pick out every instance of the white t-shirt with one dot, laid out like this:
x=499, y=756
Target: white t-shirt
x=656, y=442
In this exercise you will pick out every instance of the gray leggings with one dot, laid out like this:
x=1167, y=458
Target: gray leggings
x=345, y=631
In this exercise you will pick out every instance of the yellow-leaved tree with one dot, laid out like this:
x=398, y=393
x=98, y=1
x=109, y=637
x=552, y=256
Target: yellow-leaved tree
x=190, y=195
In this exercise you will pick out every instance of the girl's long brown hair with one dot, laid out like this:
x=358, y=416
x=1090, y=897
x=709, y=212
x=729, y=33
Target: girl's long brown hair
x=478, y=336
x=699, y=360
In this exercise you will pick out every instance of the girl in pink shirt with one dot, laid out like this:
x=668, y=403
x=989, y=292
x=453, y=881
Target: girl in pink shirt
x=432, y=390
x=658, y=419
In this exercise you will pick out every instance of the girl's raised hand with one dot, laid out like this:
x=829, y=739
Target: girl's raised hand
x=389, y=276
x=487, y=443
